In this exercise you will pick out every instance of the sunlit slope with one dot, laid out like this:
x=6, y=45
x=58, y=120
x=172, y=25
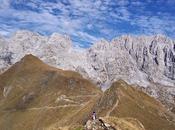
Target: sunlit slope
x=34, y=96
x=122, y=100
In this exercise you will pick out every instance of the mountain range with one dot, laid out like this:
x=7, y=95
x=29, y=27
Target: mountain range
x=147, y=62
x=37, y=96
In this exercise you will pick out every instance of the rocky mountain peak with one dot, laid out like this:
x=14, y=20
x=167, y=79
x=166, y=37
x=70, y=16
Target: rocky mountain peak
x=22, y=34
x=139, y=60
x=100, y=45
x=62, y=41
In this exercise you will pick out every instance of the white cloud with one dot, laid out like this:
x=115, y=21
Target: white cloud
x=79, y=16
x=4, y=4
x=86, y=37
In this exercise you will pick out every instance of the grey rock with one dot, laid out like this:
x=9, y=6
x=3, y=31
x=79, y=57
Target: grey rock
x=147, y=61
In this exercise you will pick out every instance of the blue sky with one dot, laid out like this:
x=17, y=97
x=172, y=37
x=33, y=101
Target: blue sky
x=87, y=21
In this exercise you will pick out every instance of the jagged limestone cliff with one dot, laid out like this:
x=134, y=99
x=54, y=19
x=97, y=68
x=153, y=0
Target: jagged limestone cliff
x=147, y=61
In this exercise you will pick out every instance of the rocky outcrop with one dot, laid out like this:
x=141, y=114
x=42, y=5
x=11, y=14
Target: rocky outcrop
x=113, y=123
x=98, y=125
x=139, y=60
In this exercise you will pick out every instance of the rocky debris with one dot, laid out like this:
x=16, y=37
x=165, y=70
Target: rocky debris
x=113, y=123
x=7, y=90
x=26, y=99
x=139, y=60
x=98, y=124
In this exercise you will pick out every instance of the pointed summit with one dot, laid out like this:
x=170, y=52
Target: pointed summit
x=29, y=59
x=30, y=63
x=62, y=42
x=29, y=67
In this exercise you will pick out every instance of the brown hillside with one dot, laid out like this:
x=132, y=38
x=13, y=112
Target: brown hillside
x=123, y=100
x=124, y=123
x=34, y=96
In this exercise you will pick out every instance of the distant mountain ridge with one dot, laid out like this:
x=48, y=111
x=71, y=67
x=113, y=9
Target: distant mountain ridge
x=147, y=61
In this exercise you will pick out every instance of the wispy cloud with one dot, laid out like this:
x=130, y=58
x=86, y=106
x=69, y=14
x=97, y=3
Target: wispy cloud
x=87, y=21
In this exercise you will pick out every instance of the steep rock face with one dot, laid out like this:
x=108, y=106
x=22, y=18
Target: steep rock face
x=111, y=62
x=139, y=60
x=5, y=55
x=154, y=55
